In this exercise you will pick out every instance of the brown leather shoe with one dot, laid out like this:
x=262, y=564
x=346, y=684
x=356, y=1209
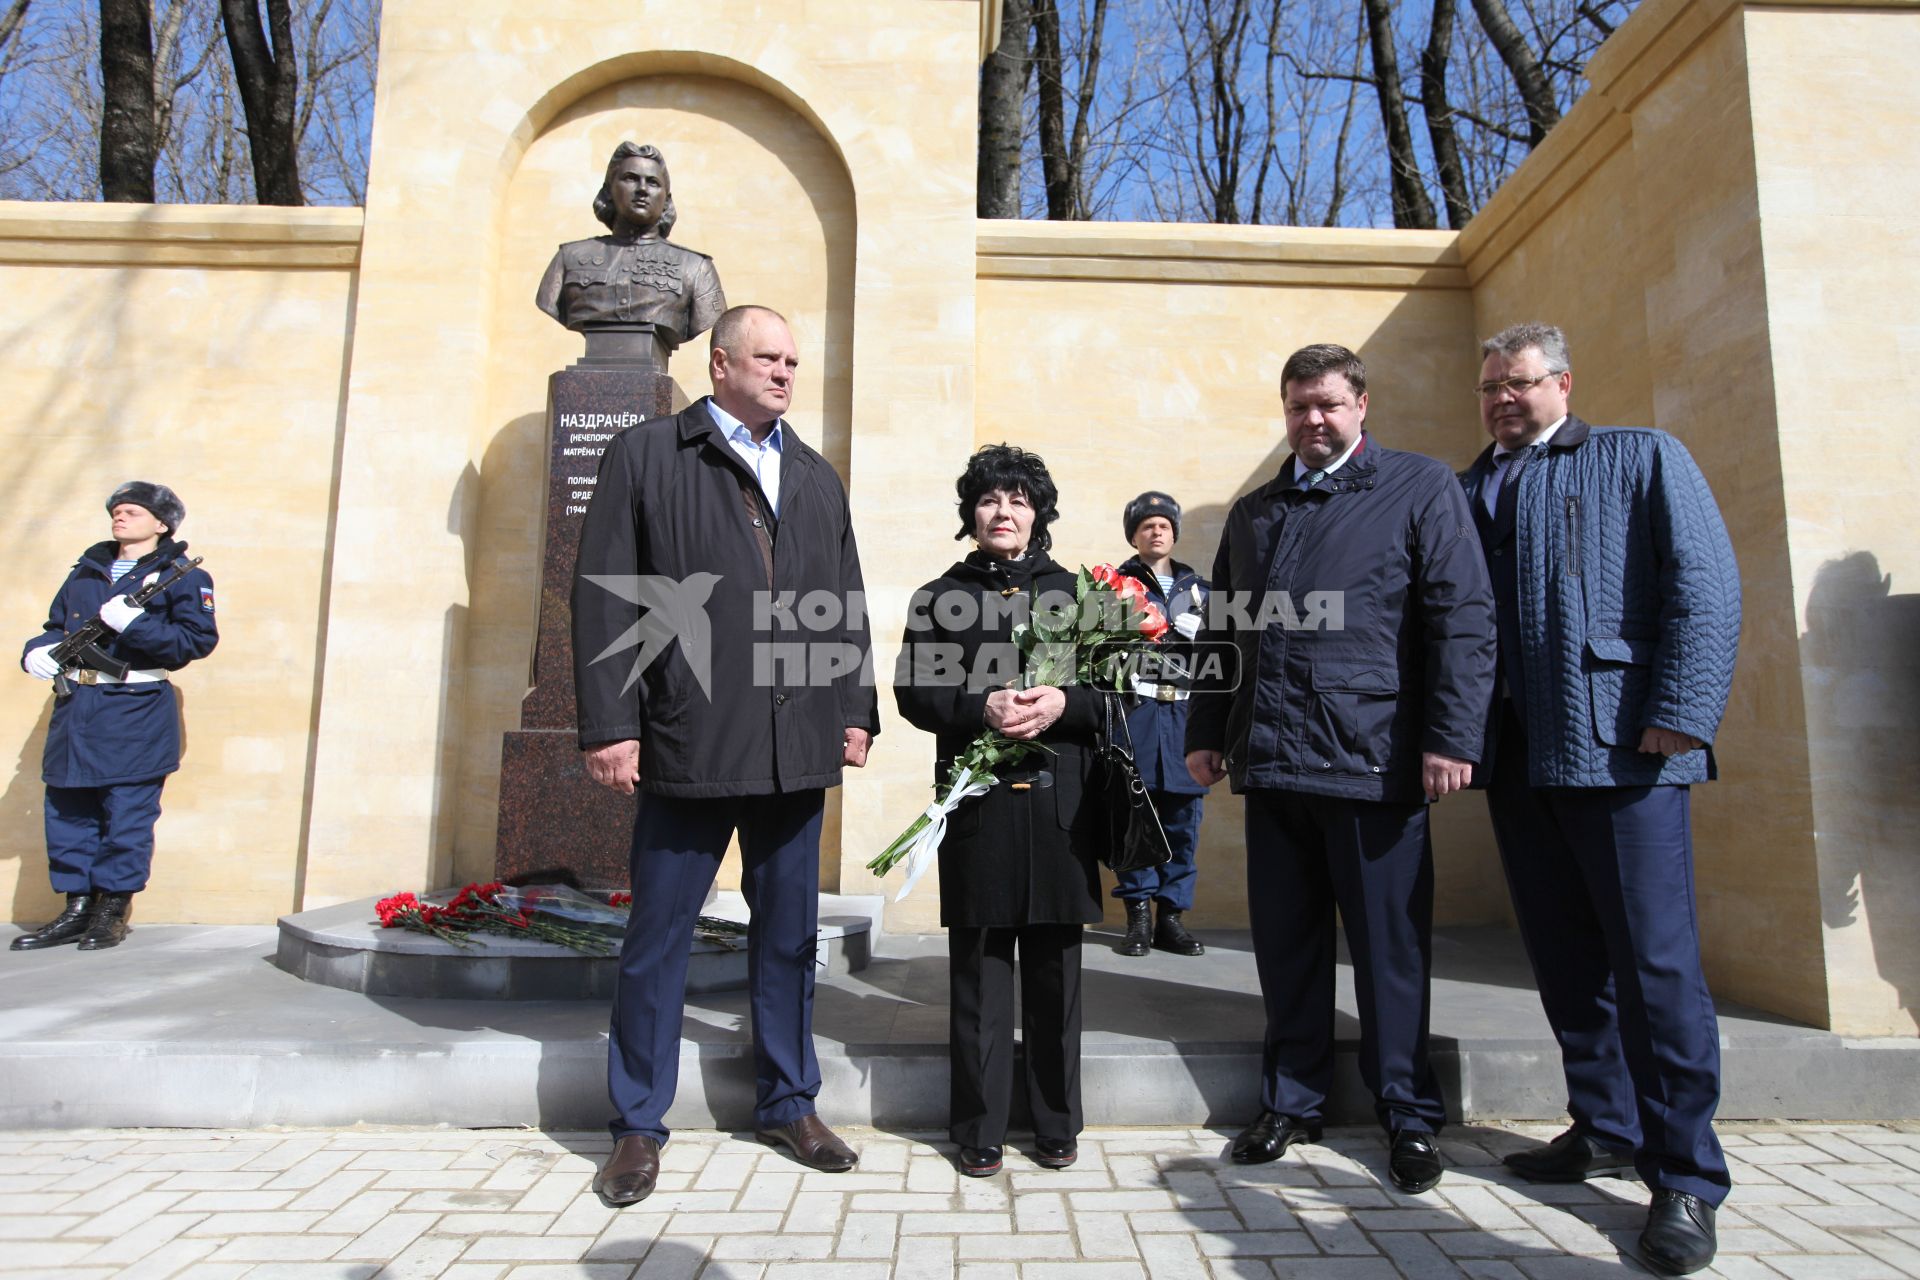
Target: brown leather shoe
x=810, y=1142
x=630, y=1172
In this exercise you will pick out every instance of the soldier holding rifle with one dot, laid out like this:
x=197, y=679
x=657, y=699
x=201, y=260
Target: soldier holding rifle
x=133, y=610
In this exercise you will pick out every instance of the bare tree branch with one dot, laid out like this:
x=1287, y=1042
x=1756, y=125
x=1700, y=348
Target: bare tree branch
x=1535, y=93
x=1440, y=128
x=1411, y=207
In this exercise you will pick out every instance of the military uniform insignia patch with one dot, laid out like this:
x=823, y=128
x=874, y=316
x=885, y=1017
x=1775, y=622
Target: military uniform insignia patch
x=206, y=599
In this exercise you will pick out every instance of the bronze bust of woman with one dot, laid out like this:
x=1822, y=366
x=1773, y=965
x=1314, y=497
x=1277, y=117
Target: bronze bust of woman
x=633, y=276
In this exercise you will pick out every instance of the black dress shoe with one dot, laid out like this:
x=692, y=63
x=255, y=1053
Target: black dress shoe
x=1171, y=935
x=1574, y=1156
x=979, y=1162
x=1679, y=1237
x=630, y=1173
x=107, y=926
x=1139, y=939
x=67, y=926
x=1413, y=1162
x=1268, y=1137
x=1055, y=1153
x=809, y=1141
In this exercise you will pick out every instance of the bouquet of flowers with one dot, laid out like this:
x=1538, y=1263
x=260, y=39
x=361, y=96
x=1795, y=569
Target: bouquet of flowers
x=553, y=913
x=1112, y=617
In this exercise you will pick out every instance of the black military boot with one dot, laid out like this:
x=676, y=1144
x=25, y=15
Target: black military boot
x=108, y=925
x=1171, y=935
x=65, y=927
x=1139, y=939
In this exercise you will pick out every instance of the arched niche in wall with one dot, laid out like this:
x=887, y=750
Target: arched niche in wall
x=757, y=187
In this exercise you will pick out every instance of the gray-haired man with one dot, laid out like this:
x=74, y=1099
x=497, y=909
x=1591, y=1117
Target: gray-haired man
x=1618, y=603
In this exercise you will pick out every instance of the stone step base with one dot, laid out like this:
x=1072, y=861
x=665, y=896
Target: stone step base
x=196, y=1027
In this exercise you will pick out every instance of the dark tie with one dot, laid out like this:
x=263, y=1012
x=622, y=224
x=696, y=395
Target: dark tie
x=1516, y=463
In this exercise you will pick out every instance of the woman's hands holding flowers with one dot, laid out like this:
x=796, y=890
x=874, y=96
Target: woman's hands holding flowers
x=1024, y=714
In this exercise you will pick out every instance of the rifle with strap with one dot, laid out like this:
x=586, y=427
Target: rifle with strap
x=82, y=648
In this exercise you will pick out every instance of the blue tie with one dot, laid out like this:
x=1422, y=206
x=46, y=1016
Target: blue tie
x=1312, y=478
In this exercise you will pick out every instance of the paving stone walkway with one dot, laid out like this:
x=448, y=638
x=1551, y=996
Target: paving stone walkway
x=1810, y=1202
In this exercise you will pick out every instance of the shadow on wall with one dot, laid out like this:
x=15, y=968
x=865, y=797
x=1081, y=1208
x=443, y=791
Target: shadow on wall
x=1861, y=659
x=21, y=813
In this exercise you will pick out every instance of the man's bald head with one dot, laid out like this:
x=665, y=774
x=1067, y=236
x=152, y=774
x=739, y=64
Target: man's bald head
x=730, y=330
x=752, y=363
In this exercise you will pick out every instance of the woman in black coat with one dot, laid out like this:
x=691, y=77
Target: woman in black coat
x=1017, y=865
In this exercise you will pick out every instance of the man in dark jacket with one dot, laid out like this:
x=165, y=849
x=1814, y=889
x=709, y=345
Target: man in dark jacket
x=1353, y=587
x=114, y=739
x=718, y=551
x=1619, y=610
x=1157, y=725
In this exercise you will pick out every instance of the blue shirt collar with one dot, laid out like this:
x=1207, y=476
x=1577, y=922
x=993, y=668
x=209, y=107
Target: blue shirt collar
x=735, y=430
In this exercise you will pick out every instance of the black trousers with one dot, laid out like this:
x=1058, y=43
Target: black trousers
x=1374, y=860
x=980, y=1042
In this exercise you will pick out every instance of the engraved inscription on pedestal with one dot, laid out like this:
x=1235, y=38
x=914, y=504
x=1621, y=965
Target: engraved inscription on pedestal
x=553, y=817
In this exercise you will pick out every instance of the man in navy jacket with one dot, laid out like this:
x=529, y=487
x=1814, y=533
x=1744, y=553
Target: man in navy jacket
x=113, y=740
x=1619, y=609
x=1354, y=589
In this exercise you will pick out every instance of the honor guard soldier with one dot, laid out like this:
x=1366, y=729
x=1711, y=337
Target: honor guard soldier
x=1157, y=724
x=115, y=732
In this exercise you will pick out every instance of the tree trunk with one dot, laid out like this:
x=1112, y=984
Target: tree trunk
x=128, y=143
x=1083, y=110
x=10, y=21
x=1439, y=112
x=269, y=82
x=1537, y=95
x=1411, y=207
x=1003, y=96
x=1056, y=170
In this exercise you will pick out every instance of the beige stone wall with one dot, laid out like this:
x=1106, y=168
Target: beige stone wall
x=1138, y=356
x=1724, y=226
x=767, y=197
x=780, y=122
x=204, y=348
x=1833, y=99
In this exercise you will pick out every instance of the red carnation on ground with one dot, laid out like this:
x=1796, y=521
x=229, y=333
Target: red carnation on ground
x=394, y=911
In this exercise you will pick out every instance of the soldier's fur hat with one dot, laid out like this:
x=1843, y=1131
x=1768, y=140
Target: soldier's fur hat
x=1147, y=505
x=163, y=502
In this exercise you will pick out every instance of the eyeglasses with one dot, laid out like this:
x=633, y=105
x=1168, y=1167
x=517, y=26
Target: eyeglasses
x=1519, y=386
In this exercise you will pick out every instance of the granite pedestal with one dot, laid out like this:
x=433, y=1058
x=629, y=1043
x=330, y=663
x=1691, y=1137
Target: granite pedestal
x=553, y=818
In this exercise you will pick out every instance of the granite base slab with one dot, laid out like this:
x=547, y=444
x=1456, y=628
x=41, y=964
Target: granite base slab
x=344, y=946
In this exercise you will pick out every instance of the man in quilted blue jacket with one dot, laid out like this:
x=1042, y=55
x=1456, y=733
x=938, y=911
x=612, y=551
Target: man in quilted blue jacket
x=1618, y=603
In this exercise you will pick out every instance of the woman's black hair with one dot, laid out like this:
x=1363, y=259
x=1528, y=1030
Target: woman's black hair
x=1008, y=467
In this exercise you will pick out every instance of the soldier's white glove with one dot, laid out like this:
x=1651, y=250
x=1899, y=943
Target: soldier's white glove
x=1188, y=625
x=119, y=612
x=40, y=664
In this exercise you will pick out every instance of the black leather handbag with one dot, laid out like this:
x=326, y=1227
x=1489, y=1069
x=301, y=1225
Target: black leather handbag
x=1135, y=839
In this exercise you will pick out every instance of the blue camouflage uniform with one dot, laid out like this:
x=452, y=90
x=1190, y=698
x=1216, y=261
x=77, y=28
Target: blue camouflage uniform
x=1159, y=730
x=110, y=745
